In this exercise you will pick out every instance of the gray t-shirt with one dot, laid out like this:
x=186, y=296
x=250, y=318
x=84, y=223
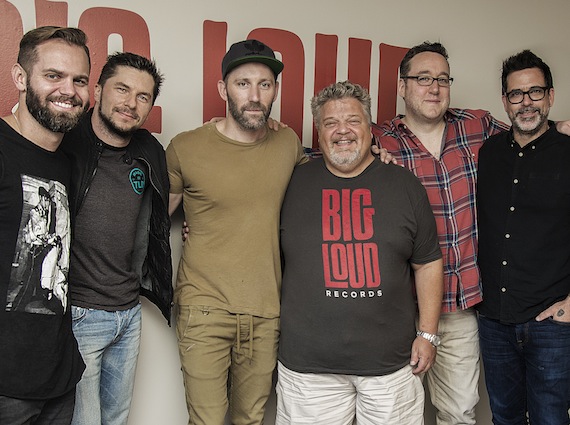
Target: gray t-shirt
x=101, y=274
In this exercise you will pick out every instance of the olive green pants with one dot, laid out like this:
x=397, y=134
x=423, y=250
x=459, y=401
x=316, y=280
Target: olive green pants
x=227, y=361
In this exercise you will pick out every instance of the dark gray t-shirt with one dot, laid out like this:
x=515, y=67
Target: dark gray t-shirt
x=347, y=303
x=101, y=274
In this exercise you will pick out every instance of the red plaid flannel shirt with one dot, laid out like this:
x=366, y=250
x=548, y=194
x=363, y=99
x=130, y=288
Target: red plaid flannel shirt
x=450, y=183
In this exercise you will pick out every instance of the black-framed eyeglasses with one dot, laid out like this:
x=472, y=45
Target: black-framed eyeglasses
x=535, y=93
x=426, y=80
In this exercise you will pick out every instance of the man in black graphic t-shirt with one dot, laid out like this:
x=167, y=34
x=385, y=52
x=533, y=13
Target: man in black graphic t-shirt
x=40, y=363
x=355, y=233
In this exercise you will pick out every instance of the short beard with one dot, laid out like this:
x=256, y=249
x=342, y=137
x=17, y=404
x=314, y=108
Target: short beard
x=533, y=131
x=342, y=160
x=58, y=122
x=245, y=123
x=112, y=127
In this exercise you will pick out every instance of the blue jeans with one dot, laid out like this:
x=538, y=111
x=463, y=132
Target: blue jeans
x=55, y=411
x=527, y=369
x=109, y=343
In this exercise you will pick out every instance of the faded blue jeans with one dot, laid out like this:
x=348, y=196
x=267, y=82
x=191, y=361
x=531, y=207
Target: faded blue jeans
x=527, y=368
x=109, y=343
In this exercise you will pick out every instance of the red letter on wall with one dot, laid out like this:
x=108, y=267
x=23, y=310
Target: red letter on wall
x=326, y=53
x=214, y=49
x=390, y=58
x=51, y=13
x=359, y=57
x=293, y=77
x=10, y=35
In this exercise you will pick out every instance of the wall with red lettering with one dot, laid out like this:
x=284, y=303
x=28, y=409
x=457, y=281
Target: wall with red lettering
x=364, y=43
x=99, y=23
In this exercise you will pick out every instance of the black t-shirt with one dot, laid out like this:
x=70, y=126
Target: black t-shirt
x=347, y=301
x=39, y=358
x=523, y=203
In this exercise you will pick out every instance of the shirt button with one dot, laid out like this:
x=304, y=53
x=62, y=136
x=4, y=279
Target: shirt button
x=515, y=181
x=503, y=289
x=512, y=208
x=507, y=236
x=521, y=154
x=533, y=147
x=504, y=263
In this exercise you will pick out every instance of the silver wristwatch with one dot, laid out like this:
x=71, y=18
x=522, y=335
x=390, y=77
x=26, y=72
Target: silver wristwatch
x=433, y=339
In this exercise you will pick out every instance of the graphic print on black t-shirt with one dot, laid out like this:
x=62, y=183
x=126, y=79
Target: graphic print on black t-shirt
x=350, y=257
x=38, y=280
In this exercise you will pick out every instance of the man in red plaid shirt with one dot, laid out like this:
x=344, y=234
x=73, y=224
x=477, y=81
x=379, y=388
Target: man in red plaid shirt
x=440, y=145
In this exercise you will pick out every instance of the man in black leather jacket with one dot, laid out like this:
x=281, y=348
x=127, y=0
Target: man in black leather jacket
x=119, y=208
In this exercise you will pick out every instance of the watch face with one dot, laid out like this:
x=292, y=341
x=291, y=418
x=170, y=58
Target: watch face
x=436, y=341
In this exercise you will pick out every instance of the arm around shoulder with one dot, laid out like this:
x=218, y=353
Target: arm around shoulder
x=563, y=127
x=174, y=200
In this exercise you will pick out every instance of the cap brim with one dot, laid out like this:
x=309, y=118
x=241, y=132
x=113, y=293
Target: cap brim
x=275, y=65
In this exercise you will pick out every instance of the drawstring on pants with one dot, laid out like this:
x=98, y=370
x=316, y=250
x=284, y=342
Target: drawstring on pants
x=238, y=333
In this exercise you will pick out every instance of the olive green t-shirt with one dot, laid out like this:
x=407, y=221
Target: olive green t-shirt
x=232, y=195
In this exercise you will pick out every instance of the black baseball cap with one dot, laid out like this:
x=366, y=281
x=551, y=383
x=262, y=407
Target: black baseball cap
x=250, y=51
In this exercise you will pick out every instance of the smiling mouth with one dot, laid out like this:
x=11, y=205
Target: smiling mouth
x=127, y=114
x=65, y=105
x=344, y=142
x=527, y=113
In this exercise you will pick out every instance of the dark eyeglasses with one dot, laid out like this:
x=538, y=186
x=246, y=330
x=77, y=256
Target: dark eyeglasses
x=534, y=93
x=426, y=80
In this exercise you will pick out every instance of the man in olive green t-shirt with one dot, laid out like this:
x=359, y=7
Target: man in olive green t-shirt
x=232, y=176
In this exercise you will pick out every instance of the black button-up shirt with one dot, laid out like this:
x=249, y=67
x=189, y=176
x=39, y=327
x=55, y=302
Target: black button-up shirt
x=523, y=204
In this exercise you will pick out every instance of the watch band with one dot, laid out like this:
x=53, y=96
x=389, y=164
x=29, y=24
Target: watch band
x=433, y=339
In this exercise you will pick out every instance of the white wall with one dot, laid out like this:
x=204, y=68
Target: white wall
x=478, y=35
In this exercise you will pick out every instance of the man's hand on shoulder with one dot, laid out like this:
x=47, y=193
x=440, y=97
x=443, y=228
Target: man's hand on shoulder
x=563, y=127
x=275, y=125
x=214, y=119
x=385, y=156
x=184, y=231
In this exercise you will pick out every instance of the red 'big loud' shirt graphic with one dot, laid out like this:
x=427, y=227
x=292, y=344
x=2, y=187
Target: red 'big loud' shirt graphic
x=350, y=260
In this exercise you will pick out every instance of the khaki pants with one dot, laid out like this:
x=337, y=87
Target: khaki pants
x=215, y=345
x=453, y=380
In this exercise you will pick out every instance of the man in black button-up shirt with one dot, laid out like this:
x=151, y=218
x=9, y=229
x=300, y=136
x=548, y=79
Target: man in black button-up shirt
x=523, y=201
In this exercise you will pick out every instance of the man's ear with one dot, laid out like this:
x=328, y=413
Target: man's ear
x=276, y=91
x=20, y=77
x=401, y=87
x=505, y=103
x=222, y=90
x=97, y=93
